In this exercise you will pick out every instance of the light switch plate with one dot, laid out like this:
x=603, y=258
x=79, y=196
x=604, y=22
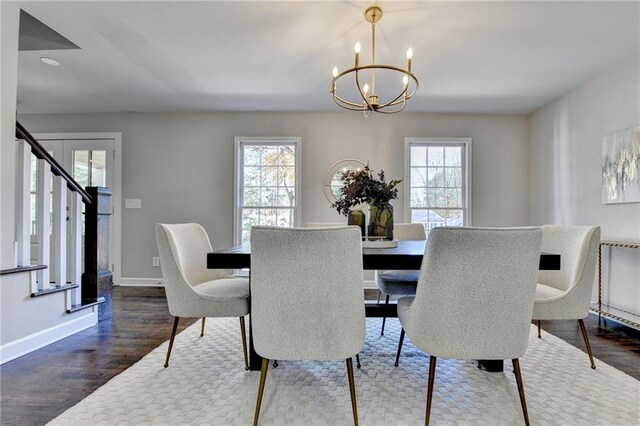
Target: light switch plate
x=133, y=203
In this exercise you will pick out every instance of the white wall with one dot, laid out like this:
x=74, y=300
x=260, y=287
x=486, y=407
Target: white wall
x=10, y=21
x=565, y=168
x=29, y=323
x=181, y=165
x=26, y=323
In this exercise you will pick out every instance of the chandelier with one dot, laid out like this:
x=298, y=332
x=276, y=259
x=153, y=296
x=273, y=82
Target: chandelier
x=369, y=99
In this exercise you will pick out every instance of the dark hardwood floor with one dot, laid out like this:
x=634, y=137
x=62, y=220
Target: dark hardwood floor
x=38, y=387
x=617, y=345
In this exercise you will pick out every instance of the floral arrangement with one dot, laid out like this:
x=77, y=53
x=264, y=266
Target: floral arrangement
x=362, y=187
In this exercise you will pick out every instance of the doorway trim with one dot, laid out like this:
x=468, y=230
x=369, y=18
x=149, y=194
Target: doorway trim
x=116, y=205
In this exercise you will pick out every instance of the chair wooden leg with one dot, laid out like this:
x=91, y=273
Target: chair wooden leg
x=432, y=376
x=523, y=401
x=263, y=378
x=202, y=328
x=173, y=336
x=244, y=343
x=352, y=390
x=384, y=319
x=358, y=360
x=399, y=346
x=539, y=330
x=585, y=336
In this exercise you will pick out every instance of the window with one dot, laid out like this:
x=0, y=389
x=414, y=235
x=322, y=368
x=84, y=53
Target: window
x=267, y=183
x=438, y=177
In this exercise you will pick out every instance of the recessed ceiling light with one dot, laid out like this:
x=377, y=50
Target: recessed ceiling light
x=50, y=61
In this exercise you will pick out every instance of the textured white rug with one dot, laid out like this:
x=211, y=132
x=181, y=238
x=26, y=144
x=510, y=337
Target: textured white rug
x=206, y=384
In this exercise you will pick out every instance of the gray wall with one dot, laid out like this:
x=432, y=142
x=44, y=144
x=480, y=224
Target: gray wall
x=181, y=165
x=565, y=169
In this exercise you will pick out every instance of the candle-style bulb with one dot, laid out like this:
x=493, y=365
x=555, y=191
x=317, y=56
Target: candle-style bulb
x=365, y=88
x=335, y=71
x=409, y=53
x=357, y=47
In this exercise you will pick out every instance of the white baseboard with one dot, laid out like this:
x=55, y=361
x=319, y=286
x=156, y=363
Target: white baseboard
x=25, y=345
x=140, y=282
x=370, y=284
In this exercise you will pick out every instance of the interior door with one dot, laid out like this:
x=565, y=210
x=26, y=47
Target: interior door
x=91, y=163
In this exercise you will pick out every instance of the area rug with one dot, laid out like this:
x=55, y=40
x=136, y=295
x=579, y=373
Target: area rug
x=206, y=384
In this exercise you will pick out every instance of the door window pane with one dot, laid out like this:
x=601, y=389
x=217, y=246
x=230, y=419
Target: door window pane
x=89, y=167
x=98, y=168
x=81, y=167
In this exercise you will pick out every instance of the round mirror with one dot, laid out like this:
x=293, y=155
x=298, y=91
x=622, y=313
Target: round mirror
x=332, y=181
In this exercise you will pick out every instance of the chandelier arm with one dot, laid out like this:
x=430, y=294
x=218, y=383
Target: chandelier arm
x=351, y=108
x=378, y=66
x=404, y=103
x=367, y=106
x=348, y=105
x=386, y=67
x=397, y=100
x=337, y=98
x=415, y=89
x=364, y=98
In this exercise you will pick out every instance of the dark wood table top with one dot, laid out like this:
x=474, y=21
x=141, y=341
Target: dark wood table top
x=408, y=255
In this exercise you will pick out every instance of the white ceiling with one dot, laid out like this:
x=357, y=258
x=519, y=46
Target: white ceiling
x=476, y=57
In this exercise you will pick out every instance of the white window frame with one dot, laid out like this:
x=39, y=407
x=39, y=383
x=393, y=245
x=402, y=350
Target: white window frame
x=238, y=172
x=466, y=173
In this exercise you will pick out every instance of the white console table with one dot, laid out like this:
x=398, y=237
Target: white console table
x=626, y=317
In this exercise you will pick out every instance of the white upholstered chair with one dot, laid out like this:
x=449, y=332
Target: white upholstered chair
x=192, y=289
x=325, y=225
x=307, y=298
x=400, y=283
x=566, y=294
x=477, y=301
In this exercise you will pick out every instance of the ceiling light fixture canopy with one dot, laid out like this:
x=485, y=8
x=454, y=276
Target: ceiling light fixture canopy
x=370, y=99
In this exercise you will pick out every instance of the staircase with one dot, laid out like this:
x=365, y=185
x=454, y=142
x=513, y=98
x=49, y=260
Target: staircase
x=59, y=261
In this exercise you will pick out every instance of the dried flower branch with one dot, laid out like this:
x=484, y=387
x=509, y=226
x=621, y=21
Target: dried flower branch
x=361, y=187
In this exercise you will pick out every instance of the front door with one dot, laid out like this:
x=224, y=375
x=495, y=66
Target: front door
x=91, y=162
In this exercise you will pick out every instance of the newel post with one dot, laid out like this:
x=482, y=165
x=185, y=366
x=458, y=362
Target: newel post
x=97, y=279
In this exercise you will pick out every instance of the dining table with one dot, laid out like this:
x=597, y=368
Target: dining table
x=408, y=255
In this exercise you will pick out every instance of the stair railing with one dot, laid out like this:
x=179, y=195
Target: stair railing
x=93, y=287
